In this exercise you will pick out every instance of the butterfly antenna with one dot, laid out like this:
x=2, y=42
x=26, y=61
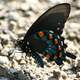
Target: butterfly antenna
x=70, y=55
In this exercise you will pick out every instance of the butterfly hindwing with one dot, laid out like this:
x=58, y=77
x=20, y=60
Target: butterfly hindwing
x=38, y=58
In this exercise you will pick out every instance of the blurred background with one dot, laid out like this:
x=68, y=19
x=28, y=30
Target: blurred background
x=16, y=17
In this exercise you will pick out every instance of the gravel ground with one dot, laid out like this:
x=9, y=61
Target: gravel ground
x=16, y=16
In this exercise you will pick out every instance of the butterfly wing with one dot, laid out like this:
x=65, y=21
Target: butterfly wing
x=52, y=19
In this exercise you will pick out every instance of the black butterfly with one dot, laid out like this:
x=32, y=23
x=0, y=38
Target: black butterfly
x=44, y=36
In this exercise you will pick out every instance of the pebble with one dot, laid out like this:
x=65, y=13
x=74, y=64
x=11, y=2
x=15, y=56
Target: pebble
x=22, y=62
x=56, y=74
x=73, y=30
x=12, y=25
x=2, y=78
x=13, y=36
x=22, y=22
x=18, y=56
x=16, y=65
x=15, y=16
x=78, y=3
x=13, y=70
x=66, y=66
x=24, y=6
x=20, y=75
x=78, y=75
x=4, y=51
x=78, y=64
x=4, y=60
x=72, y=35
x=5, y=37
x=13, y=5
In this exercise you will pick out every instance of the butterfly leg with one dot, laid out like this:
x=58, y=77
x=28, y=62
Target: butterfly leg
x=38, y=58
x=70, y=55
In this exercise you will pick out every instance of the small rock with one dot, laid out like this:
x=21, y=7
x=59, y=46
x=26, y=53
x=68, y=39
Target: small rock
x=16, y=65
x=20, y=32
x=12, y=25
x=4, y=51
x=78, y=3
x=3, y=78
x=3, y=71
x=14, y=16
x=22, y=22
x=78, y=75
x=18, y=56
x=4, y=60
x=78, y=64
x=22, y=62
x=64, y=75
x=52, y=78
x=56, y=74
x=12, y=35
x=72, y=35
x=24, y=6
x=12, y=70
x=14, y=5
x=4, y=42
x=1, y=6
x=20, y=75
x=66, y=66
x=2, y=13
x=4, y=74
x=5, y=37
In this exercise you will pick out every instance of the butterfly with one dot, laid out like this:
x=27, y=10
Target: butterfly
x=44, y=36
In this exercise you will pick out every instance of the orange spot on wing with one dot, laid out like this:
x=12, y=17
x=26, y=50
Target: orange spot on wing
x=56, y=41
x=41, y=34
x=59, y=48
x=50, y=36
x=60, y=54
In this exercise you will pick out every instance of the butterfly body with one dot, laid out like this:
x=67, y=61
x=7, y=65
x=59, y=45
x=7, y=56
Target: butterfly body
x=44, y=36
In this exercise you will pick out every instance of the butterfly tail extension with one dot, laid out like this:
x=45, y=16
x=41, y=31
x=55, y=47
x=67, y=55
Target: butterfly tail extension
x=38, y=58
x=70, y=55
x=59, y=61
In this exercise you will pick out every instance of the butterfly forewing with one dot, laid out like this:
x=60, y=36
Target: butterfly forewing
x=52, y=19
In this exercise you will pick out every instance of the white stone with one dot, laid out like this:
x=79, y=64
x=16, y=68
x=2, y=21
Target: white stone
x=18, y=56
x=24, y=6
x=22, y=62
x=22, y=22
x=4, y=60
